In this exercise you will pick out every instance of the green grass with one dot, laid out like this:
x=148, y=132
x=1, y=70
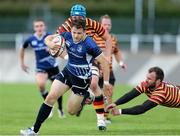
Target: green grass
x=19, y=104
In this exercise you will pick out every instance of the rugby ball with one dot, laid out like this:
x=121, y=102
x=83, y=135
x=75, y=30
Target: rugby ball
x=60, y=41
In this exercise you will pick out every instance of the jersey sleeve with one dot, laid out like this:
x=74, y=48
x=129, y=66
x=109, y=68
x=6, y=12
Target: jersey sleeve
x=66, y=26
x=141, y=87
x=92, y=47
x=96, y=26
x=66, y=35
x=26, y=43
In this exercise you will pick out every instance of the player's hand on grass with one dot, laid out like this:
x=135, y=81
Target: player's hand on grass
x=110, y=107
x=115, y=111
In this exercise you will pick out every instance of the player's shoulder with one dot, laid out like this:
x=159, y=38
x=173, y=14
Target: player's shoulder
x=90, y=21
x=89, y=42
x=88, y=39
x=168, y=84
x=66, y=35
x=141, y=87
x=31, y=37
x=68, y=20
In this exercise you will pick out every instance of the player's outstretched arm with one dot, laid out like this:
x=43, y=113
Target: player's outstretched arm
x=124, y=99
x=136, y=110
x=127, y=97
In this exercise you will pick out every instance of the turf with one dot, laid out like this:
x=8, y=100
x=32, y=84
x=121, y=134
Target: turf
x=19, y=104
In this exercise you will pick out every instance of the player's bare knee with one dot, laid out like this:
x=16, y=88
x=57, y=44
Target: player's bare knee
x=71, y=112
x=41, y=87
x=42, y=90
x=50, y=99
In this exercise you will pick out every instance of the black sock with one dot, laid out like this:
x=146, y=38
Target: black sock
x=43, y=114
x=60, y=103
x=44, y=94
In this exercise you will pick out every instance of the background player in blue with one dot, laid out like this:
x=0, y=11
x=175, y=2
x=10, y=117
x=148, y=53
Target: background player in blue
x=76, y=75
x=46, y=65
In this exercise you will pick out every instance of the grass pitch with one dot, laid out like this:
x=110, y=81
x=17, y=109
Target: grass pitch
x=19, y=104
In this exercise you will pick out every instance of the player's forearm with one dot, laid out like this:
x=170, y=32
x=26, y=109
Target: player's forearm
x=118, y=57
x=106, y=70
x=139, y=109
x=21, y=56
x=127, y=97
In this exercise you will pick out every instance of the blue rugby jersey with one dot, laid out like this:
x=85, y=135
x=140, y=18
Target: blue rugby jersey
x=43, y=59
x=80, y=55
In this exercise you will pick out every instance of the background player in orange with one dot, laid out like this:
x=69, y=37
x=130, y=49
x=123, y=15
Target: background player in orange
x=92, y=28
x=158, y=92
x=46, y=65
x=105, y=21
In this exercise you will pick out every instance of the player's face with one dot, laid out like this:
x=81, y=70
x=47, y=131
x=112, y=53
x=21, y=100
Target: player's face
x=39, y=27
x=106, y=23
x=77, y=34
x=151, y=80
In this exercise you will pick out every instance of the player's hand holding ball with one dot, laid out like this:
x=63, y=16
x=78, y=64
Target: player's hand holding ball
x=56, y=44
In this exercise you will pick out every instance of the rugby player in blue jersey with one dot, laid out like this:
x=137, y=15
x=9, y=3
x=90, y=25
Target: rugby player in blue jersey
x=76, y=75
x=46, y=65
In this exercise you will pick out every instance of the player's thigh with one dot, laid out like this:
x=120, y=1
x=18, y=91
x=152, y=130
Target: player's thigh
x=41, y=78
x=74, y=103
x=57, y=89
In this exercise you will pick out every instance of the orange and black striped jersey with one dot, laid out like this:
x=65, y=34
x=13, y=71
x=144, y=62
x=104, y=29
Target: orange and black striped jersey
x=165, y=94
x=102, y=44
x=92, y=27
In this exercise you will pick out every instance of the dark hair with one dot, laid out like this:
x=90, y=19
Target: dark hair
x=159, y=72
x=79, y=23
x=106, y=16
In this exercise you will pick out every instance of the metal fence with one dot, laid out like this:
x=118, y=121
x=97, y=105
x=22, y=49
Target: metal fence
x=134, y=43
